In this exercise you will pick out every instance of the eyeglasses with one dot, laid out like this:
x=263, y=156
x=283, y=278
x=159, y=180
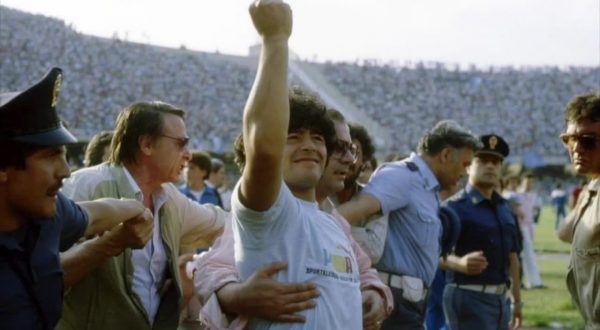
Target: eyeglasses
x=181, y=142
x=343, y=147
x=586, y=141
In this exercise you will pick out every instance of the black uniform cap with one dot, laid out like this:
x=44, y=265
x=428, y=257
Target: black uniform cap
x=494, y=145
x=30, y=116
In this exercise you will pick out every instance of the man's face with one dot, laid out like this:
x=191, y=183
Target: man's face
x=485, y=171
x=169, y=151
x=356, y=167
x=339, y=163
x=32, y=192
x=194, y=174
x=583, y=142
x=528, y=183
x=305, y=155
x=456, y=167
x=217, y=177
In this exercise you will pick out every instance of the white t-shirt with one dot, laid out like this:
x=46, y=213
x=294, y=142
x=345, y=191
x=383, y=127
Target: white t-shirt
x=316, y=250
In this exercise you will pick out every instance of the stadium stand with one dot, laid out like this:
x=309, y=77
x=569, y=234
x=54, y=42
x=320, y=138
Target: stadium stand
x=397, y=102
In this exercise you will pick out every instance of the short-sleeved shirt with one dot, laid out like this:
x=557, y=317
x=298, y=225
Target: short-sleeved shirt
x=408, y=191
x=29, y=258
x=487, y=225
x=316, y=249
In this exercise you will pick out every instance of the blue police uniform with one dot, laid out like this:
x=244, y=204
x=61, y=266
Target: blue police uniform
x=31, y=277
x=489, y=226
x=210, y=195
x=408, y=191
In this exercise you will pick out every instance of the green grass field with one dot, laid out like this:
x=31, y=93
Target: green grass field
x=545, y=237
x=551, y=307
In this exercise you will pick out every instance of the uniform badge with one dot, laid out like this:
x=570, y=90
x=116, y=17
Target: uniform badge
x=56, y=90
x=493, y=141
x=474, y=200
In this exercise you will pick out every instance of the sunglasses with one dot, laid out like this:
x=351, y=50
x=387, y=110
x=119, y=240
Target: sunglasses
x=343, y=147
x=586, y=141
x=181, y=142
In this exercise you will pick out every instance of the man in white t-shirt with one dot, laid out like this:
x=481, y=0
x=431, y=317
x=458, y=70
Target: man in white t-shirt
x=275, y=214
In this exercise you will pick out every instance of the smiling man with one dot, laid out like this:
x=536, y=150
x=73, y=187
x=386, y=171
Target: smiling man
x=582, y=226
x=132, y=280
x=287, y=139
x=217, y=280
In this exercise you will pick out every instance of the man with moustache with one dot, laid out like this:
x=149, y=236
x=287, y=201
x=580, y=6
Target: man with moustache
x=36, y=220
x=486, y=263
x=582, y=226
x=133, y=281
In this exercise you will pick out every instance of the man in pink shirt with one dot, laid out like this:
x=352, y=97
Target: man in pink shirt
x=260, y=296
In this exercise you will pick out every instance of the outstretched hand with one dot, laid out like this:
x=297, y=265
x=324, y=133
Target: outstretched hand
x=262, y=297
x=373, y=309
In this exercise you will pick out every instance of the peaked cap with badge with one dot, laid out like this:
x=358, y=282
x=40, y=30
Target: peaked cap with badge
x=30, y=116
x=493, y=145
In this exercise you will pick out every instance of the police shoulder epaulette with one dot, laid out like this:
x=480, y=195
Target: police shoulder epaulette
x=457, y=197
x=412, y=166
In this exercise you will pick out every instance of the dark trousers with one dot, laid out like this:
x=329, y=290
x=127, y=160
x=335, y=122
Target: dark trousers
x=406, y=315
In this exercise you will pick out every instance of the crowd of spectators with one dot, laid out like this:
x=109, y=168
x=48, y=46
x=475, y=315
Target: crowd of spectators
x=105, y=75
x=523, y=105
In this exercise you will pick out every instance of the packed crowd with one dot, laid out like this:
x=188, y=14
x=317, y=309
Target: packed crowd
x=105, y=75
x=526, y=103
x=111, y=73
x=299, y=243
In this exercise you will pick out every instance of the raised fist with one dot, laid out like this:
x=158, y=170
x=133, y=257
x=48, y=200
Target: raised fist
x=272, y=18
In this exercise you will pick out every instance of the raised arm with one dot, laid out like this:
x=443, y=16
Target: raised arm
x=266, y=114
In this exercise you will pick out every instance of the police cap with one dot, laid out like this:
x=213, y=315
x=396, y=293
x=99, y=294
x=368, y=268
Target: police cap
x=30, y=116
x=493, y=145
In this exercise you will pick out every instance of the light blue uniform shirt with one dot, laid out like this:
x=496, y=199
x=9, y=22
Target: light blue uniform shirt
x=412, y=245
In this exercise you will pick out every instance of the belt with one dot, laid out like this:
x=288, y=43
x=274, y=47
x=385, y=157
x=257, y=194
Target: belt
x=484, y=288
x=413, y=288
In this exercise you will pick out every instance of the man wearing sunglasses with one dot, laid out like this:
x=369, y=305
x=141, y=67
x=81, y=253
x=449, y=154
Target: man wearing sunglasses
x=133, y=281
x=582, y=226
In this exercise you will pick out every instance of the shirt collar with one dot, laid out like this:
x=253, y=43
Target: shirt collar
x=594, y=185
x=431, y=182
x=159, y=197
x=475, y=196
x=134, y=186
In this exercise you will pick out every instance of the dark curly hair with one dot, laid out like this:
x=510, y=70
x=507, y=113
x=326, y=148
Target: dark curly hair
x=307, y=111
x=360, y=133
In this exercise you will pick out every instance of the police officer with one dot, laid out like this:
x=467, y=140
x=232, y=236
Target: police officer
x=486, y=261
x=408, y=191
x=36, y=220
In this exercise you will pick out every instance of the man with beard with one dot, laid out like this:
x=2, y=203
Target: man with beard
x=582, y=226
x=486, y=263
